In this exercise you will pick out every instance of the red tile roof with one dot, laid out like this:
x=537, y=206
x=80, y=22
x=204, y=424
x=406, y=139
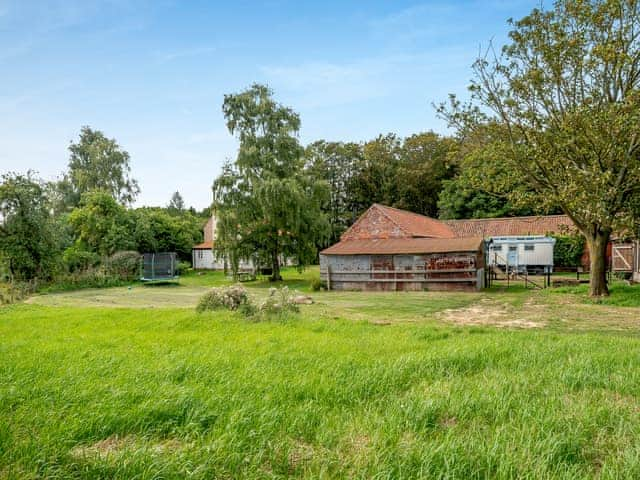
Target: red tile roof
x=203, y=246
x=495, y=227
x=414, y=224
x=392, y=246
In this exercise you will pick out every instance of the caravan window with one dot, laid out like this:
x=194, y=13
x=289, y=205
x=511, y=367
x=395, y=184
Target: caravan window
x=529, y=248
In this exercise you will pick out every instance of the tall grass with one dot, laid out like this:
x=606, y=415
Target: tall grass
x=167, y=393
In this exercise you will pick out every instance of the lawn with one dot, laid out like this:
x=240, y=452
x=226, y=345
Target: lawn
x=499, y=384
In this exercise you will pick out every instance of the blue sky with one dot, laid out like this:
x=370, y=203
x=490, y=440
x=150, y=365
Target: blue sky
x=152, y=74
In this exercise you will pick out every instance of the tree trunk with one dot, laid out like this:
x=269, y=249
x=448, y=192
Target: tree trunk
x=597, y=244
x=275, y=267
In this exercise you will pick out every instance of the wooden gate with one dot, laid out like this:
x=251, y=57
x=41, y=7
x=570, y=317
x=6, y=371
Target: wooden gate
x=622, y=257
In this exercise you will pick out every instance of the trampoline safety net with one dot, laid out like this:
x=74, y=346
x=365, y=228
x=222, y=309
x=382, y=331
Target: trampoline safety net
x=159, y=266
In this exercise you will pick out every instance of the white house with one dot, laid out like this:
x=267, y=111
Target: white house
x=203, y=256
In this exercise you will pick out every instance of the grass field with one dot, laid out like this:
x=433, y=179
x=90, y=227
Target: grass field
x=132, y=383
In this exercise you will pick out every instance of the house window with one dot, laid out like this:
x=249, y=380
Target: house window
x=513, y=248
x=497, y=248
x=529, y=248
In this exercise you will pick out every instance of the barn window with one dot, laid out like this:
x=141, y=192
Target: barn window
x=529, y=248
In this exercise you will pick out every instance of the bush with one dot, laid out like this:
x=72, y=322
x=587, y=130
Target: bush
x=225, y=298
x=90, y=278
x=317, y=285
x=11, y=292
x=280, y=301
x=76, y=259
x=125, y=265
x=568, y=250
x=183, y=267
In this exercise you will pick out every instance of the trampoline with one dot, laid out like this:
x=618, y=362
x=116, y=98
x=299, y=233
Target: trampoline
x=159, y=267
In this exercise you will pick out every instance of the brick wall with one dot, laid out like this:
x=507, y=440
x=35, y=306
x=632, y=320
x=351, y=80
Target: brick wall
x=374, y=224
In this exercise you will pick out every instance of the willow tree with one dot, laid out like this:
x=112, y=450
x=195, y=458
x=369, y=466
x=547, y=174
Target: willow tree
x=565, y=87
x=267, y=208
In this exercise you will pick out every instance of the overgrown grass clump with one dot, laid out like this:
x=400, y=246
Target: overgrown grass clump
x=279, y=302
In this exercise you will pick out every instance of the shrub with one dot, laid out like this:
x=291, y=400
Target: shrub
x=280, y=301
x=90, y=278
x=125, y=265
x=183, y=267
x=317, y=285
x=11, y=292
x=76, y=259
x=568, y=250
x=225, y=298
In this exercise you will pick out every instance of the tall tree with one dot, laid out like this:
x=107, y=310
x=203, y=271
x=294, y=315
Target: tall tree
x=376, y=178
x=566, y=90
x=101, y=224
x=98, y=163
x=335, y=163
x=28, y=237
x=265, y=202
x=176, y=204
x=427, y=159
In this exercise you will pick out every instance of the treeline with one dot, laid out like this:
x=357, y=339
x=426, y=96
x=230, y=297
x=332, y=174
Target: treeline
x=426, y=173
x=76, y=229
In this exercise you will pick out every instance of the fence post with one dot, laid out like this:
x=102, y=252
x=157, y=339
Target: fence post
x=328, y=276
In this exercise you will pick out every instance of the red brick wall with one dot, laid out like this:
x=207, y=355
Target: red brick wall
x=373, y=224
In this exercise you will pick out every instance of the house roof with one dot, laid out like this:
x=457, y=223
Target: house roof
x=415, y=224
x=493, y=227
x=394, y=246
x=203, y=246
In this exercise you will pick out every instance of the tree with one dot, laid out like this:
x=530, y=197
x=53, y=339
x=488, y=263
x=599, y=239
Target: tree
x=335, y=163
x=426, y=161
x=98, y=163
x=156, y=230
x=566, y=91
x=101, y=224
x=176, y=204
x=28, y=238
x=376, y=176
x=265, y=203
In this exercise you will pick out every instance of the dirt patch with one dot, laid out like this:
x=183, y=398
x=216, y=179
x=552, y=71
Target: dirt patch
x=488, y=313
x=106, y=448
x=116, y=445
x=300, y=453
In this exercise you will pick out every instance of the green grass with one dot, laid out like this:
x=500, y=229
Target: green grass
x=621, y=294
x=357, y=386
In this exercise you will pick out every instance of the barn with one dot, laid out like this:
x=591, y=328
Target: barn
x=388, y=249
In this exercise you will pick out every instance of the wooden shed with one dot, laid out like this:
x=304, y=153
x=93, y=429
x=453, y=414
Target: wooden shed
x=389, y=249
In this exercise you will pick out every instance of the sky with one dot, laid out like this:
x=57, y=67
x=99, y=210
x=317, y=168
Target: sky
x=153, y=74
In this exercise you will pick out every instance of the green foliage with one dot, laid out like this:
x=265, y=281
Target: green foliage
x=98, y=163
x=30, y=245
x=267, y=206
x=316, y=284
x=568, y=250
x=565, y=92
x=101, y=224
x=124, y=265
x=336, y=163
x=427, y=161
x=176, y=204
x=156, y=230
x=76, y=259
